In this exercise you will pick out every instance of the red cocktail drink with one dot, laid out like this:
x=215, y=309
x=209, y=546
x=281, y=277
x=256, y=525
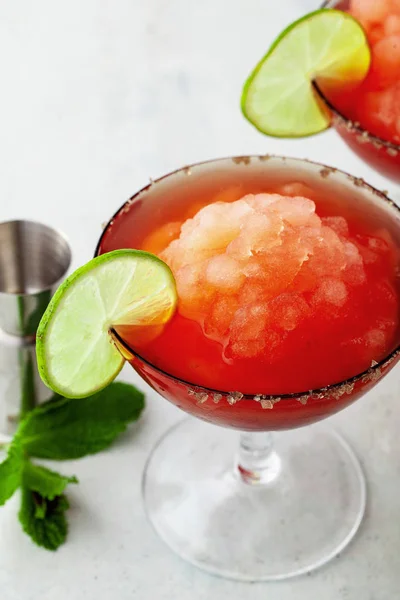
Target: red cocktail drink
x=287, y=284
x=368, y=117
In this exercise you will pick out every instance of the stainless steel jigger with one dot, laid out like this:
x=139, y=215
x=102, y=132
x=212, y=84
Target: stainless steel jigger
x=33, y=260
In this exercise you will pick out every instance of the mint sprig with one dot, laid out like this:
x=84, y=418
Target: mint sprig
x=61, y=429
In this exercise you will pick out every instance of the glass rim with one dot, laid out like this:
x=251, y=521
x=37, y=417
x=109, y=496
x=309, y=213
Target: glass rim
x=369, y=374
x=352, y=126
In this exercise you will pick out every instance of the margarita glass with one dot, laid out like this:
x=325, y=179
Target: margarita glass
x=379, y=151
x=276, y=504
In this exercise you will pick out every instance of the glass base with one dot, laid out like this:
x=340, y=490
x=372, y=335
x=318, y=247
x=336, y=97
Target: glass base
x=303, y=515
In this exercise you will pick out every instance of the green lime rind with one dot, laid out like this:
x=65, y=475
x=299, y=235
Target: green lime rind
x=75, y=353
x=279, y=99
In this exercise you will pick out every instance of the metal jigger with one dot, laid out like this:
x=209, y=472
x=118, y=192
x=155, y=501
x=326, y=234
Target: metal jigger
x=33, y=260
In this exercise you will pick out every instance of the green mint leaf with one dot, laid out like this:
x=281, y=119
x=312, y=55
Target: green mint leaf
x=45, y=482
x=11, y=472
x=64, y=429
x=44, y=520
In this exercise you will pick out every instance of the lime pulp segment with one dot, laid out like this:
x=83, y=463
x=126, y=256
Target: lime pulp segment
x=279, y=98
x=76, y=355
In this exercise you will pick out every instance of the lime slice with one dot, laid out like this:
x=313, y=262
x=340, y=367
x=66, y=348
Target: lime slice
x=76, y=353
x=279, y=98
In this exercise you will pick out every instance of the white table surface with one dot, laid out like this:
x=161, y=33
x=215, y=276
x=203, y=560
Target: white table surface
x=96, y=97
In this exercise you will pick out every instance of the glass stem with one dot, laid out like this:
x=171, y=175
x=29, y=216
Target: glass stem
x=257, y=462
